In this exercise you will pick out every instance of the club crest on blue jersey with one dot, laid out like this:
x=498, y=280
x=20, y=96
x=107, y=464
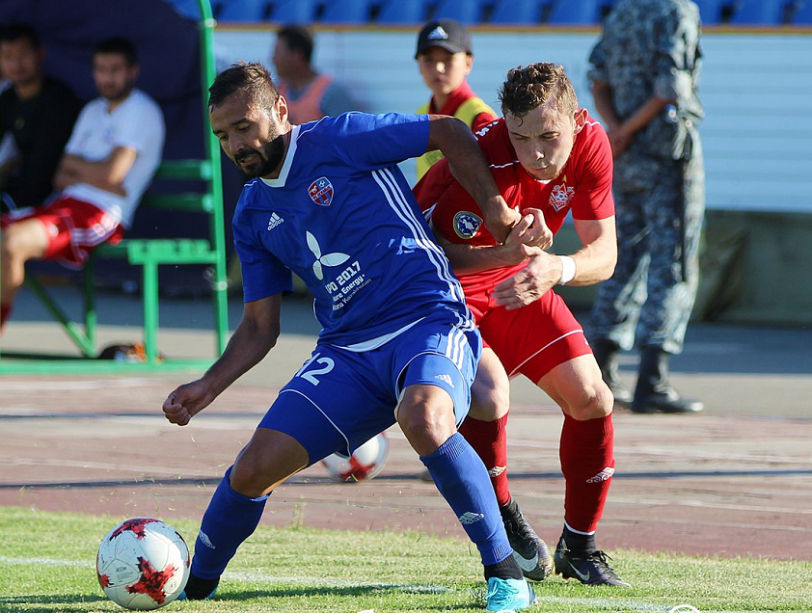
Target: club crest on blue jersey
x=466, y=224
x=561, y=196
x=321, y=191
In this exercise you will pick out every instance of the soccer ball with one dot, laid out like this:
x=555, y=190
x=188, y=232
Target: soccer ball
x=367, y=461
x=143, y=564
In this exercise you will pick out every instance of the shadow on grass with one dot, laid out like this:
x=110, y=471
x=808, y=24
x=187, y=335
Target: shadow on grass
x=78, y=603
x=349, y=592
x=60, y=604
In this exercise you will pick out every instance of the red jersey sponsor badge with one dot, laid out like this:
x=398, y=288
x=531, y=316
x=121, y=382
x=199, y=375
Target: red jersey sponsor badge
x=321, y=191
x=466, y=224
x=561, y=196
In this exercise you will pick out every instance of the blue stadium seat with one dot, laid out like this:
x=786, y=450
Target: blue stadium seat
x=247, y=11
x=293, y=11
x=523, y=12
x=803, y=16
x=580, y=12
x=347, y=11
x=403, y=11
x=759, y=12
x=467, y=12
x=711, y=11
x=187, y=8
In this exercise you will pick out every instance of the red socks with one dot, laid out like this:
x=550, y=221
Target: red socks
x=489, y=440
x=588, y=463
x=5, y=311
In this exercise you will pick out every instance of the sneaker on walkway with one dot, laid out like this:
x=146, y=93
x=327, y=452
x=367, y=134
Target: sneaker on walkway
x=199, y=589
x=508, y=595
x=589, y=569
x=529, y=550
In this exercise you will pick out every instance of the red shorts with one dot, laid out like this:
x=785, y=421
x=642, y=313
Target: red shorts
x=74, y=228
x=534, y=339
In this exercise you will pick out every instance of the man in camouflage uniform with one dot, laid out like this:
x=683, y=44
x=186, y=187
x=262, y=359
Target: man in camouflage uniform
x=645, y=74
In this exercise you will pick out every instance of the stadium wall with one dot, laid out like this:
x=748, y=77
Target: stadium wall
x=757, y=92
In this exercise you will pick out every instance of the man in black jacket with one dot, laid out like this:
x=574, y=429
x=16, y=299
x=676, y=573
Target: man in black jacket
x=37, y=113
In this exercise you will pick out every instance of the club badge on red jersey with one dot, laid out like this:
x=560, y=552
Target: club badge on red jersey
x=321, y=191
x=466, y=224
x=561, y=196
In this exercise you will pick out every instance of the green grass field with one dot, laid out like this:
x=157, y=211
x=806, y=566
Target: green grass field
x=47, y=564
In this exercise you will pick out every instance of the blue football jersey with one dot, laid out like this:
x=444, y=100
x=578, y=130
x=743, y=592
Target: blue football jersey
x=342, y=217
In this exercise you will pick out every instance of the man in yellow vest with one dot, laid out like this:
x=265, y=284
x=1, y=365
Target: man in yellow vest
x=310, y=95
x=445, y=57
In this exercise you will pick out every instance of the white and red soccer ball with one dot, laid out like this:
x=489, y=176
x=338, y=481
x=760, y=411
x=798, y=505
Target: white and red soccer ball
x=364, y=464
x=143, y=564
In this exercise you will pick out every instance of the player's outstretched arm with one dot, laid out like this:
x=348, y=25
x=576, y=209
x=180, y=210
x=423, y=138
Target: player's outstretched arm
x=468, y=163
x=252, y=340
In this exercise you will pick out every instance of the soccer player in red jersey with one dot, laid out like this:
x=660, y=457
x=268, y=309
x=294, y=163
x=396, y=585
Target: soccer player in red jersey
x=549, y=158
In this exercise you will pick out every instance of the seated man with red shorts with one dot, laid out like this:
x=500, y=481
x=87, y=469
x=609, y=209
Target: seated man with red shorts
x=109, y=161
x=548, y=157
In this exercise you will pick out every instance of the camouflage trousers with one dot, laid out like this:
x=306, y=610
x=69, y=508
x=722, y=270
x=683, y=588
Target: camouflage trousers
x=660, y=208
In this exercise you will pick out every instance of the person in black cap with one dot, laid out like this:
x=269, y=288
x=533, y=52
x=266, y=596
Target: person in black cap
x=445, y=57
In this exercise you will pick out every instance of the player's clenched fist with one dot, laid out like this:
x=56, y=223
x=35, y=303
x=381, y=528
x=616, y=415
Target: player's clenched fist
x=186, y=402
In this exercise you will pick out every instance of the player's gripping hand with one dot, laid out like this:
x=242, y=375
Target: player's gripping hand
x=533, y=230
x=541, y=273
x=186, y=402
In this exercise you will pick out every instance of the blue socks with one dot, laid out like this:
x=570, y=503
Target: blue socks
x=230, y=519
x=455, y=467
x=463, y=481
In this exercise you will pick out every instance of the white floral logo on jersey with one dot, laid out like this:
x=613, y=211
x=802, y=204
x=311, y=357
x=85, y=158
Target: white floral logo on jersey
x=328, y=259
x=561, y=196
x=466, y=224
x=321, y=191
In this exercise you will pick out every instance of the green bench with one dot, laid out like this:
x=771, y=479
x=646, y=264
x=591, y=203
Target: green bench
x=149, y=254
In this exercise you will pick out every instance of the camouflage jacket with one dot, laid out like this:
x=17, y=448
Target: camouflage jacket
x=651, y=47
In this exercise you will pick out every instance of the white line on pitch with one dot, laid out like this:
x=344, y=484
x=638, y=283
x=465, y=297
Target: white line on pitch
x=75, y=385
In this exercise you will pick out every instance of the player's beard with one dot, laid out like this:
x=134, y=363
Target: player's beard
x=269, y=158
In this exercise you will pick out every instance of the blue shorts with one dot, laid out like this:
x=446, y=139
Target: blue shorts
x=339, y=399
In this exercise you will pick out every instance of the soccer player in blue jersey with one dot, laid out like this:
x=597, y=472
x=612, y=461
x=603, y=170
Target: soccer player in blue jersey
x=325, y=200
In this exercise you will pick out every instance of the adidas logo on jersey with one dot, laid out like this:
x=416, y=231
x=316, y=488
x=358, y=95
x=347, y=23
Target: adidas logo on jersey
x=274, y=221
x=445, y=379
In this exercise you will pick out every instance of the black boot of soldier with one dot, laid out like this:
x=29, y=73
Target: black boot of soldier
x=653, y=393
x=606, y=354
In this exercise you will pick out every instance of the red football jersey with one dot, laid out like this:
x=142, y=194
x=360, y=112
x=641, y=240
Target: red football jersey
x=583, y=187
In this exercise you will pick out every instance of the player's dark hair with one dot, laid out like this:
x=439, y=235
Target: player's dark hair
x=253, y=78
x=530, y=87
x=297, y=38
x=120, y=46
x=18, y=31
